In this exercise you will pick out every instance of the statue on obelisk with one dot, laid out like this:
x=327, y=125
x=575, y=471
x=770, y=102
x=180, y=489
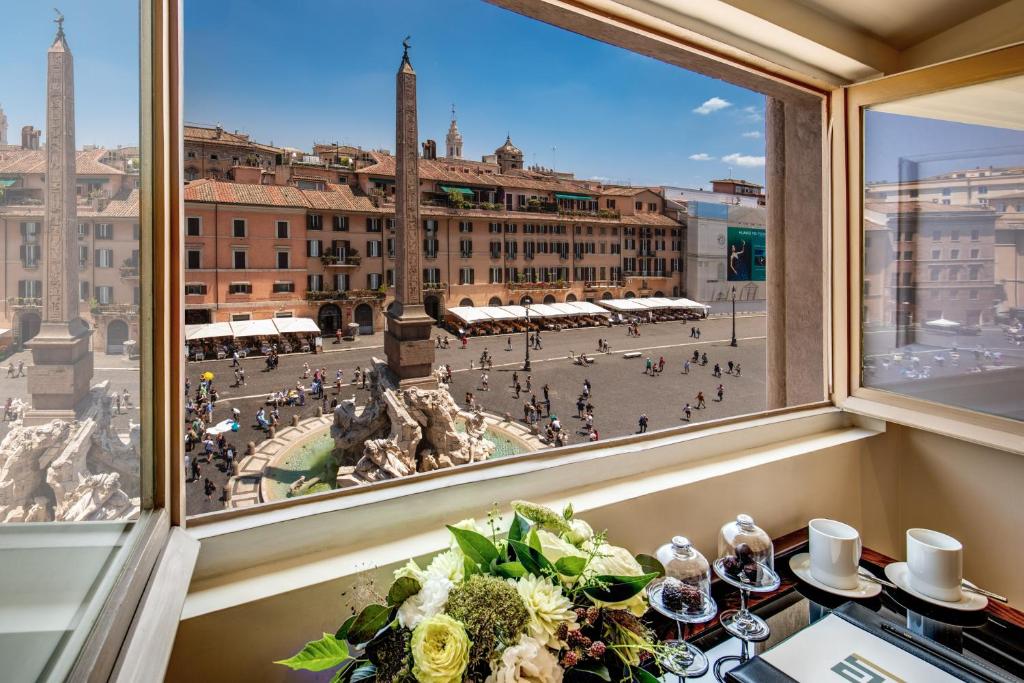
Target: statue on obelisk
x=407, y=339
x=61, y=358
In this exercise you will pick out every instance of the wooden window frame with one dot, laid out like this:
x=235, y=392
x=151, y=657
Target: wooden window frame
x=847, y=201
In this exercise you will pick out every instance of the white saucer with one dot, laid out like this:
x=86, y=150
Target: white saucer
x=899, y=573
x=801, y=566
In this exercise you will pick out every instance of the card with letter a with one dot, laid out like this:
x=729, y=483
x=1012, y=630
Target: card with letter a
x=835, y=651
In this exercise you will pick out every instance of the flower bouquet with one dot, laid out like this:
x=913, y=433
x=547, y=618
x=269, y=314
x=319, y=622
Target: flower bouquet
x=544, y=601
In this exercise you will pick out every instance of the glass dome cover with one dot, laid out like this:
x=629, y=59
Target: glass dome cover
x=743, y=539
x=684, y=562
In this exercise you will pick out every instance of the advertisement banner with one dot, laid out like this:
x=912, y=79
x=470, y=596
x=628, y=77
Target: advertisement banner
x=745, y=255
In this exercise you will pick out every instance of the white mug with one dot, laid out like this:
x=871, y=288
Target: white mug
x=936, y=564
x=835, y=553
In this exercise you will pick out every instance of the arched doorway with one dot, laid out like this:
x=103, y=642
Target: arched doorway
x=495, y=301
x=549, y=299
x=523, y=300
x=364, y=318
x=466, y=302
x=606, y=296
x=117, y=335
x=675, y=290
x=329, y=318
x=432, y=305
x=29, y=326
x=570, y=297
x=659, y=293
x=630, y=295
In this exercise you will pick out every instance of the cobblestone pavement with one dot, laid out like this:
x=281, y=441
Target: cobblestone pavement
x=621, y=390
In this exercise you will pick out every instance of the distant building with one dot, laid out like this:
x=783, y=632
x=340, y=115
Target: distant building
x=509, y=156
x=685, y=194
x=453, y=141
x=741, y=188
x=212, y=152
x=3, y=128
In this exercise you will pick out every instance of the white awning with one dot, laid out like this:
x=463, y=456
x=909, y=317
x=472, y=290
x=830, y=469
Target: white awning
x=253, y=328
x=469, y=314
x=545, y=311
x=587, y=308
x=296, y=325
x=623, y=305
x=518, y=311
x=497, y=312
x=942, y=322
x=208, y=331
x=4, y=330
x=690, y=303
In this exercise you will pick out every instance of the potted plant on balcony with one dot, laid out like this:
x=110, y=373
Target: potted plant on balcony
x=328, y=259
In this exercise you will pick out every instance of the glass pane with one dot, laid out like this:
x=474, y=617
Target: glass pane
x=70, y=465
x=596, y=206
x=944, y=247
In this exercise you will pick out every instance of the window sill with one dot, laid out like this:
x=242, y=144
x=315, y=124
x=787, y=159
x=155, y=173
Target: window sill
x=246, y=558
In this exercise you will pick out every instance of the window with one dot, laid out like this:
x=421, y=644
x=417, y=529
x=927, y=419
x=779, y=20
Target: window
x=389, y=277
x=936, y=235
x=639, y=206
x=314, y=248
x=974, y=253
x=193, y=259
x=465, y=248
x=975, y=235
x=195, y=288
x=373, y=225
x=30, y=255
x=432, y=276
x=239, y=259
x=240, y=288
x=193, y=226
x=494, y=275
x=609, y=203
x=652, y=206
x=283, y=260
x=373, y=248
x=83, y=256
x=465, y=226
x=430, y=226
x=391, y=247
x=282, y=287
x=83, y=290
x=104, y=258
x=936, y=254
x=238, y=227
x=30, y=289
x=340, y=224
x=315, y=282
x=104, y=295
x=430, y=248
x=240, y=317
x=374, y=280
x=954, y=254
x=465, y=276
x=954, y=235
x=83, y=230
x=282, y=229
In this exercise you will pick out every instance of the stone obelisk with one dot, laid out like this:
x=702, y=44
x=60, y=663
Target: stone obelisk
x=407, y=339
x=62, y=361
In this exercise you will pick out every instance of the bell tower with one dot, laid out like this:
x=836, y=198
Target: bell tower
x=454, y=139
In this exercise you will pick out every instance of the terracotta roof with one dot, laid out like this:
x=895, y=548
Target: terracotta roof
x=29, y=161
x=123, y=207
x=652, y=219
x=623, y=191
x=223, y=137
x=338, y=197
x=924, y=207
x=215, y=191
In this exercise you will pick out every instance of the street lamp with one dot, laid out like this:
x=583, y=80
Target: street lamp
x=526, y=304
x=733, y=342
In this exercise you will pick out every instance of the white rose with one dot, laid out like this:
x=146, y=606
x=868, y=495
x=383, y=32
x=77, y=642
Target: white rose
x=616, y=561
x=529, y=661
x=410, y=569
x=554, y=548
x=547, y=607
x=579, y=532
x=427, y=603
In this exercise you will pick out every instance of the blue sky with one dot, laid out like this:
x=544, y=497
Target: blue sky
x=326, y=73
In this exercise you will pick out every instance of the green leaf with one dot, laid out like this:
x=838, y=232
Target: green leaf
x=618, y=588
x=533, y=540
x=520, y=527
x=571, y=565
x=366, y=672
x=532, y=560
x=511, y=570
x=372, y=619
x=402, y=589
x=318, y=655
x=593, y=668
x=643, y=676
x=342, y=633
x=475, y=546
x=343, y=674
x=469, y=567
x=651, y=565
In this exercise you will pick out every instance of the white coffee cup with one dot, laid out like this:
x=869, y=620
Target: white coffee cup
x=835, y=553
x=936, y=564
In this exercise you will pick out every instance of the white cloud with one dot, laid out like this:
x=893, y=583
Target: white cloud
x=743, y=160
x=712, y=105
x=701, y=156
x=752, y=114
x=752, y=134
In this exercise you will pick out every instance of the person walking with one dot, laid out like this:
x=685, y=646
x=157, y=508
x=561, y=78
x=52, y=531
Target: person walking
x=195, y=469
x=21, y=368
x=10, y=372
x=363, y=382
x=737, y=370
x=234, y=359
x=483, y=382
x=687, y=412
x=721, y=393
x=529, y=384
x=648, y=366
x=717, y=371
x=686, y=367
x=519, y=388
x=661, y=364
x=546, y=389
x=241, y=376
x=209, y=487
x=700, y=400
x=693, y=331
x=580, y=405
x=643, y=423
x=698, y=333
x=731, y=366
x=508, y=343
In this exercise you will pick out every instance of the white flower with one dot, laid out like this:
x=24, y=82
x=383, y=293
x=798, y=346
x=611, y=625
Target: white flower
x=616, y=561
x=410, y=569
x=554, y=548
x=449, y=564
x=529, y=661
x=427, y=603
x=547, y=607
x=580, y=532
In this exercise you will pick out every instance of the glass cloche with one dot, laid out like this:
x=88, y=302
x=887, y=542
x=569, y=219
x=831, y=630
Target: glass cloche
x=684, y=562
x=745, y=541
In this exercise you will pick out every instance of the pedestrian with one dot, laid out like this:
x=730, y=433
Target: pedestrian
x=471, y=367
x=593, y=435
x=704, y=358
x=717, y=372
x=698, y=333
x=241, y=376
x=261, y=419
x=195, y=469
x=700, y=400
x=721, y=393
x=10, y=372
x=234, y=359
x=731, y=366
x=580, y=405
x=229, y=459
x=586, y=391
x=643, y=423
x=586, y=386
x=686, y=367
x=686, y=412
x=529, y=383
x=365, y=373
x=21, y=368
x=526, y=412
x=209, y=487
x=508, y=343
x=356, y=375
x=547, y=405
x=693, y=331
x=117, y=403
x=518, y=389
x=515, y=378
x=737, y=371
x=649, y=366
x=696, y=355
x=546, y=389
x=661, y=364
x=483, y=382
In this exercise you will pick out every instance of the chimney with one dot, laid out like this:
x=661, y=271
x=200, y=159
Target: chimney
x=30, y=137
x=430, y=150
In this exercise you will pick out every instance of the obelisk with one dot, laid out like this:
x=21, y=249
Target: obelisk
x=407, y=339
x=62, y=361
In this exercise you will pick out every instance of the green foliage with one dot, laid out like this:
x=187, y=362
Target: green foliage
x=532, y=559
x=475, y=546
x=543, y=517
x=519, y=529
x=510, y=570
x=610, y=588
x=651, y=565
x=492, y=613
x=366, y=672
x=318, y=655
x=402, y=589
x=571, y=565
x=593, y=668
x=342, y=633
x=642, y=676
x=371, y=620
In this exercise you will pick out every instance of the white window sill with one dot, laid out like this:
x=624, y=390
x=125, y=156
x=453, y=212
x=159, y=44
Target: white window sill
x=247, y=558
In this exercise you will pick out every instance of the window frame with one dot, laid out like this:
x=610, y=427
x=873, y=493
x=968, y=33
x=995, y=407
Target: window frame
x=847, y=182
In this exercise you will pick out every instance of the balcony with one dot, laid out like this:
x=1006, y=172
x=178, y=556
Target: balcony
x=523, y=286
x=602, y=284
x=130, y=270
x=25, y=301
x=434, y=286
x=340, y=259
x=128, y=310
x=347, y=295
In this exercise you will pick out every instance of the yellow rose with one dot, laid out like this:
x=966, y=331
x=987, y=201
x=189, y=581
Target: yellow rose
x=440, y=650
